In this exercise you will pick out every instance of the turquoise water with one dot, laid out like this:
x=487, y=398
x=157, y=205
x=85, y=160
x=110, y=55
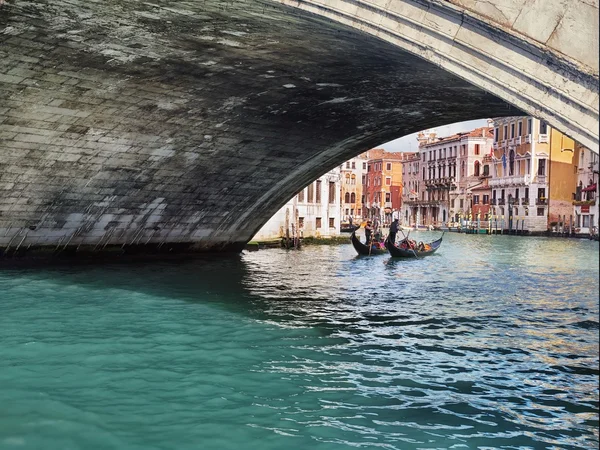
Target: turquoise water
x=491, y=343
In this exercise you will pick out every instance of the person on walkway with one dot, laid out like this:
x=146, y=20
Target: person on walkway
x=368, y=232
x=393, y=231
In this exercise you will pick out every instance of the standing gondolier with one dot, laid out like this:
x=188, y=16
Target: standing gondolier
x=393, y=231
x=368, y=232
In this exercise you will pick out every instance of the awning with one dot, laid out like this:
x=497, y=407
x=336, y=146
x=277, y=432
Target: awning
x=591, y=187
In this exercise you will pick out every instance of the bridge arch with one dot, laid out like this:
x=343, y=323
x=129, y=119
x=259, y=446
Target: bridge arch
x=155, y=127
x=541, y=57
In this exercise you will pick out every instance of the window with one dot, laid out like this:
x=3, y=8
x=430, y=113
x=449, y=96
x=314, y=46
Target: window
x=527, y=193
x=462, y=169
x=318, y=222
x=511, y=163
x=585, y=223
x=543, y=127
x=461, y=203
x=347, y=197
x=311, y=193
x=388, y=197
x=512, y=130
x=331, y=222
x=353, y=165
x=388, y=166
x=517, y=195
x=529, y=126
x=505, y=135
x=301, y=196
x=353, y=180
x=353, y=198
x=520, y=128
x=542, y=167
x=347, y=164
x=486, y=199
x=542, y=193
x=364, y=165
x=540, y=211
x=318, y=189
x=476, y=199
x=486, y=171
x=476, y=168
x=496, y=134
x=388, y=181
x=331, y=192
x=301, y=222
x=347, y=178
x=477, y=149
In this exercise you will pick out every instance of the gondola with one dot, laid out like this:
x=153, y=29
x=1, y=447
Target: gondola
x=363, y=249
x=398, y=252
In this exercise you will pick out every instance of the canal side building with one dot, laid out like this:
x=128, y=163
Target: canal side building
x=451, y=167
x=382, y=185
x=533, y=177
x=313, y=212
x=585, y=196
x=351, y=173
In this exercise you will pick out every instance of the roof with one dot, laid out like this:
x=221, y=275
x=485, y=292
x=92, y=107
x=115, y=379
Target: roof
x=485, y=132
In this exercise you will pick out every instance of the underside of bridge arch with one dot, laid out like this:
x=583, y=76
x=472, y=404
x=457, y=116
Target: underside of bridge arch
x=183, y=126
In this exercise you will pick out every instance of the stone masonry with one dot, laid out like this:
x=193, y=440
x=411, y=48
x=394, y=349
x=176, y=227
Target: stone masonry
x=180, y=126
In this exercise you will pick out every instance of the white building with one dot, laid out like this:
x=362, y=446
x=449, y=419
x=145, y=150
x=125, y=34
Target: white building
x=313, y=212
x=585, y=199
x=449, y=168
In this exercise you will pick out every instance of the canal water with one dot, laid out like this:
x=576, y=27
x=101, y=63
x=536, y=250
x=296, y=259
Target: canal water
x=492, y=343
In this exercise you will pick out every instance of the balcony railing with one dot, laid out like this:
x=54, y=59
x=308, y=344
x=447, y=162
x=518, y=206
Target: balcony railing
x=513, y=202
x=511, y=181
x=501, y=201
x=524, y=201
x=493, y=201
x=495, y=145
x=528, y=139
x=540, y=178
x=541, y=201
x=543, y=138
x=518, y=140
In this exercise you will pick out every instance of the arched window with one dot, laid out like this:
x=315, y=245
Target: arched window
x=347, y=178
x=347, y=197
x=486, y=170
x=511, y=163
x=353, y=198
x=353, y=179
x=476, y=168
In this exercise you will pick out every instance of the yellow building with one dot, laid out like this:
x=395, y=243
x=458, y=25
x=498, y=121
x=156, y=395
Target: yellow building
x=533, y=176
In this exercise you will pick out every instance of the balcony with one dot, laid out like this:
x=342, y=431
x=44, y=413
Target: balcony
x=528, y=139
x=543, y=138
x=501, y=201
x=511, y=181
x=513, y=202
x=518, y=140
x=541, y=201
x=584, y=202
x=495, y=146
x=541, y=179
x=524, y=201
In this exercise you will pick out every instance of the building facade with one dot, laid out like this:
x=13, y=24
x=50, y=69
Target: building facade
x=352, y=188
x=450, y=168
x=533, y=176
x=382, y=185
x=313, y=212
x=585, y=197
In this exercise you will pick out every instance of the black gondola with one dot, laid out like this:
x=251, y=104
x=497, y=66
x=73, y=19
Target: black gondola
x=398, y=252
x=363, y=249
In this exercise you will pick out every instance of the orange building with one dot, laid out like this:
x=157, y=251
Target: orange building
x=382, y=185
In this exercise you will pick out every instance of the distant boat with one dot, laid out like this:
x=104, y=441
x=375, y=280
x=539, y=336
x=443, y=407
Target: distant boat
x=405, y=252
x=363, y=249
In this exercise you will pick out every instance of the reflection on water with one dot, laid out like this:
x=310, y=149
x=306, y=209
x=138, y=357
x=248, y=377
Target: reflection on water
x=490, y=343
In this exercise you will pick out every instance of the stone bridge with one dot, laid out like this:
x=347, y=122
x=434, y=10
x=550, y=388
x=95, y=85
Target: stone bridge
x=131, y=127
